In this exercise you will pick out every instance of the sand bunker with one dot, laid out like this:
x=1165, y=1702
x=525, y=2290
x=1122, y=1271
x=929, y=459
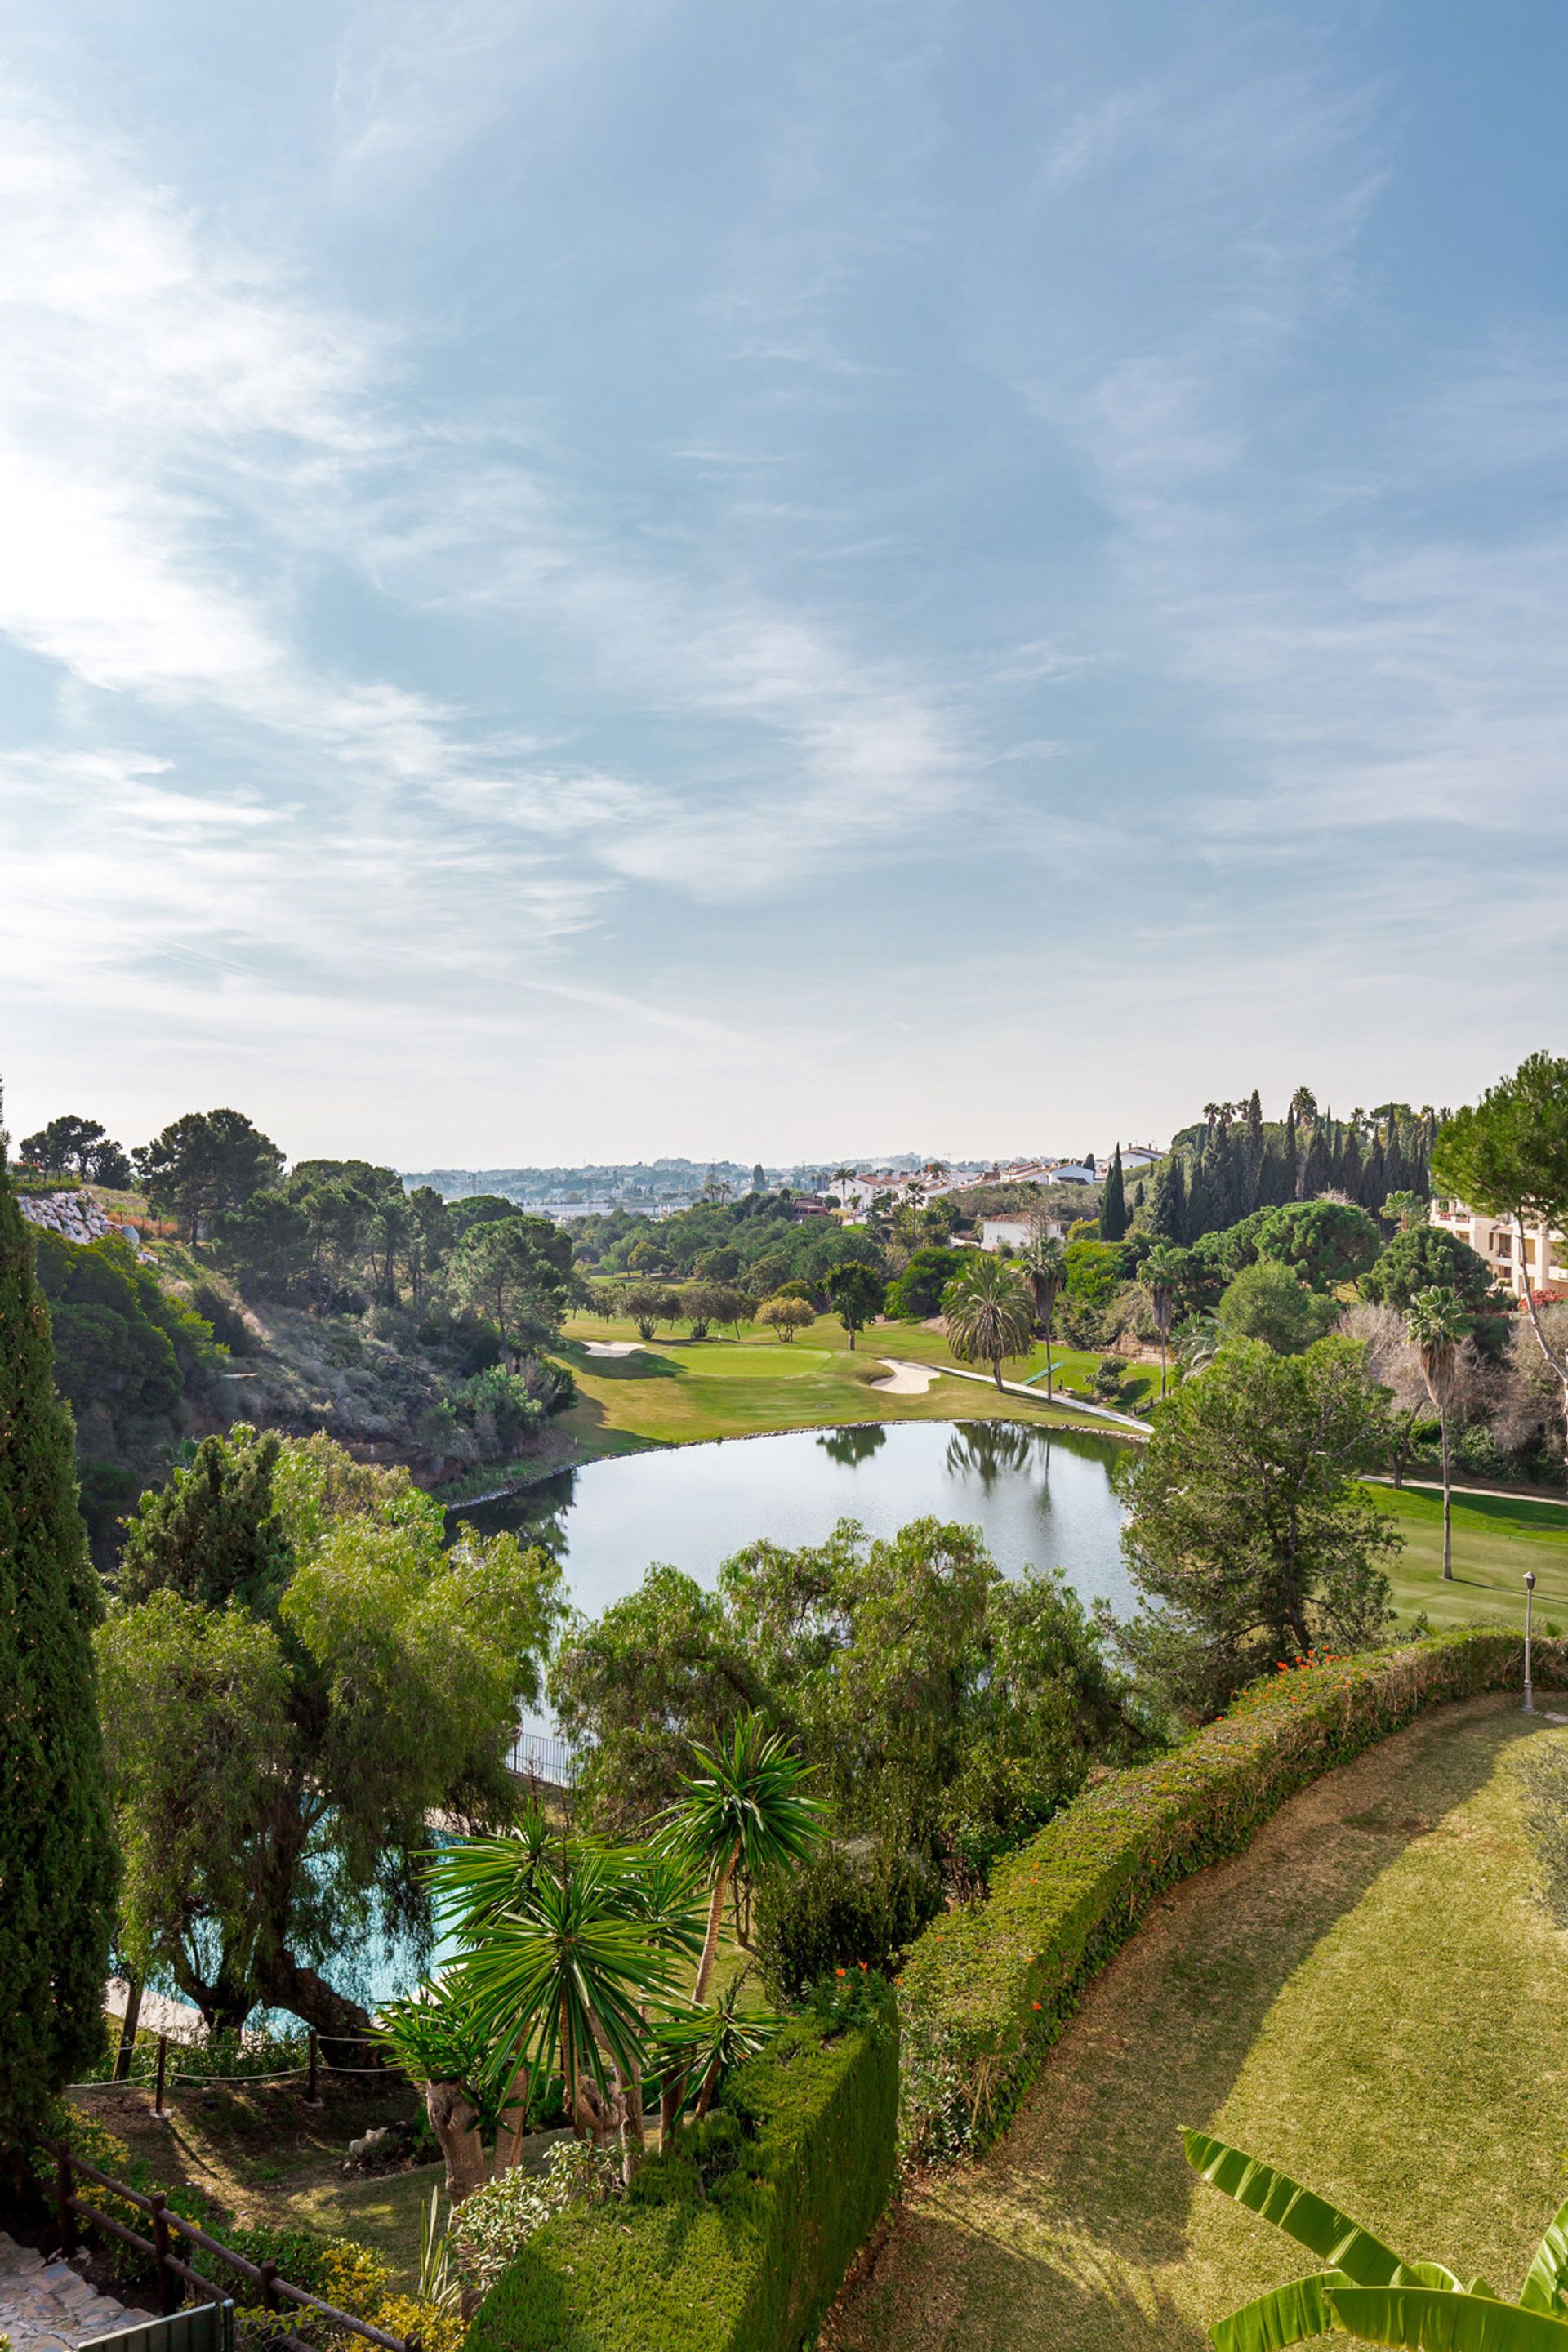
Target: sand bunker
x=908, y=1380
x=610, y=1346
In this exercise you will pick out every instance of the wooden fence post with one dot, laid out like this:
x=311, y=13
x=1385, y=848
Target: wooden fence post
x=62, y=2202
x=312, y=2096
x=168, y=2285
x=268, y=2270
x=158, y=2108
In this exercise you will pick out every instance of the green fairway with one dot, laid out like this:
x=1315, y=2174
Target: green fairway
x=1368, y=1997
x=1496, y=1538
x=676, y=1391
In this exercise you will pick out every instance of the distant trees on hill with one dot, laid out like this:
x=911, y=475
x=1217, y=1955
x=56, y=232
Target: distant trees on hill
x=1237, y=1161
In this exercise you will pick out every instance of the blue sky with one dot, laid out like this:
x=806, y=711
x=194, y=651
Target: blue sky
x=598, y=577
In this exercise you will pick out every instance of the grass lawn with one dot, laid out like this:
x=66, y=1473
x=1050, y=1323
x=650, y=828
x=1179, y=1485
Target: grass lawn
x=677, y=1392
x=1496, y=1538
x=1368, y=1996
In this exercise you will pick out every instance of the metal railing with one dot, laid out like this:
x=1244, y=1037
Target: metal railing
x=533, y=1756
x=174, y=2275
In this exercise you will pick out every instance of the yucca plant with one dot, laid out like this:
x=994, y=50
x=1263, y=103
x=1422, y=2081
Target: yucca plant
x=700, y=2045
x=1369, y=2291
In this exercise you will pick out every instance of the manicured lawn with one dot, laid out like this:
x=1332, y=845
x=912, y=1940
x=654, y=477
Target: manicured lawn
x=1496, y=1538
x=674, y=1391
x=1369, y=1997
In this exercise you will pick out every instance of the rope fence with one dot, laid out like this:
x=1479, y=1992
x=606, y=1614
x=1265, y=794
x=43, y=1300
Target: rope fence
x=163, y=2076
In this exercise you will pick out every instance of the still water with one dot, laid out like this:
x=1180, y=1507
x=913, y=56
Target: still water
x=1041, y=1497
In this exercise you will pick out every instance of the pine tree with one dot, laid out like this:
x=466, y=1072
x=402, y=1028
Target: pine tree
x=58, y=1866
x=1113, y=1202
x=1167, y=1204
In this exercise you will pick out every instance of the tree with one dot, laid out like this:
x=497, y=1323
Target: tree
x=1269, y=1302
x=1508, y=1157
x=82, y=1146
x=1248, y=1533
x=1043, y=1265
x=1369, y=2291
x=1428, y=1258
x=56, y=1856
x=917, y=1291
x=649, y=1303
x=1439, y=1324
x=509, y=1271
x=759, y=1178
x=1113, y=1218
x=785, y=1316
x=1403, y=1209
x=748, y=1814
x=1162, y=1274
x=1325, y=1242
x=844, y=1178
x=205, y=1163
x=989, y=1314
x=286, y=1749
x=856, y=1295
x=703, y=1305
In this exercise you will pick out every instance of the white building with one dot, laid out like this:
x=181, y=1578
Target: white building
x=1538, y=1264
x=1017, y=1233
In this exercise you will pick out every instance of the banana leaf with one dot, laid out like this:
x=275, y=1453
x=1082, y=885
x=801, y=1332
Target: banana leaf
x=1546, y=2286
x=1435, y=2319
x=1289, y=2315
x=1310, y=2219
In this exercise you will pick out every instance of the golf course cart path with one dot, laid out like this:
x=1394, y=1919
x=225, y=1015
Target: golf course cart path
x=1369, y=1997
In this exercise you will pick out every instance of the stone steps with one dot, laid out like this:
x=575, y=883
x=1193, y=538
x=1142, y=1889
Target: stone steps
x=47, y=2307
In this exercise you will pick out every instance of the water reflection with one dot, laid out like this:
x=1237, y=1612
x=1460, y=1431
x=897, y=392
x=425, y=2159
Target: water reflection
x=990, y=1450
x=852, y=1446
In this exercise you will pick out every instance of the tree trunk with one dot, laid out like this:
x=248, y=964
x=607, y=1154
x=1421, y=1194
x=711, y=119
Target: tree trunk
x=454, y=2120
x=1448, y=1524
x=127, y=2049
x=1050, y=1366
x=997, y=1371
x=284, y=1984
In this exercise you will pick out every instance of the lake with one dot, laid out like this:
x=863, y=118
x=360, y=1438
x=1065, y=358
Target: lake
x=1041, y=1497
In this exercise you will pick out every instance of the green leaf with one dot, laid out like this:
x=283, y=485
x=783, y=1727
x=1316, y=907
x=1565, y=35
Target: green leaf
x=1543, y=2289
x=1310, y=2219
x=1433, y=2319
x=1289, y=2315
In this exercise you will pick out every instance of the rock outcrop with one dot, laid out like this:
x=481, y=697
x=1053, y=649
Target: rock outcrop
x=76, y=1217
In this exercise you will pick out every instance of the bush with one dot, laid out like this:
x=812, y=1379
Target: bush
x=833, y=1913
x=987, y=1990
x=739, y=2239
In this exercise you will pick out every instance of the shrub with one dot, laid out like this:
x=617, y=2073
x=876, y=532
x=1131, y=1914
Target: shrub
x=492, y=2224
x=987, y=1990
x=832, y=1913
x=739, y=2239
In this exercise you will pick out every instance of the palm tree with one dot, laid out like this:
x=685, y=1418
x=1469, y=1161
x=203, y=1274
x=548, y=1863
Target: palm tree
x=1044, y=1261
x=1369, y=2291
x=936, y=1170
x=1437, y=1323
x=747, y=1814
x=844, y=1178
x=990, y=1313
x=558, y=1958
x=1161, y=1271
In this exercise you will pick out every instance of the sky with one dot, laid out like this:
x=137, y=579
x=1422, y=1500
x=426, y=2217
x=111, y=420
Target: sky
x=597, y=578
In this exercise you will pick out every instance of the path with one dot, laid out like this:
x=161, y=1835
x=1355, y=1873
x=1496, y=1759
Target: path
x=1012, y=1388
x=48, y=2307
x=1369, y=1996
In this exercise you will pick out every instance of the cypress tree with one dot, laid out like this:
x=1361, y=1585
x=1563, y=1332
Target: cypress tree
x=58, y=1865
x=1113, y=1202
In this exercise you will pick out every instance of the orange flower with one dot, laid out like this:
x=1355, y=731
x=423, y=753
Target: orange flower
x=839, y=1972
x=1034, y=2004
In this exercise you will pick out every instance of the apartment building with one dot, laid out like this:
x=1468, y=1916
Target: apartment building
x=1542, y=1265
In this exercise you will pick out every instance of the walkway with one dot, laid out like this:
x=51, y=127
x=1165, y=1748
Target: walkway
x=1369, y=1996
x=1121, y=1420
x=48, y=2307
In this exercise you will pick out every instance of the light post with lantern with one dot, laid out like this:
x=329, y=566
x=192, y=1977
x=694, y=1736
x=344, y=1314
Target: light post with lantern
x=1529, y=1707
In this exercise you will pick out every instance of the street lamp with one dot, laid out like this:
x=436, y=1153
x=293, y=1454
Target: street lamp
x=1529, y=1608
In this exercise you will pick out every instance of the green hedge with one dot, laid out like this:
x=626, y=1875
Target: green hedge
x=747, y=2259
x=987, y=1990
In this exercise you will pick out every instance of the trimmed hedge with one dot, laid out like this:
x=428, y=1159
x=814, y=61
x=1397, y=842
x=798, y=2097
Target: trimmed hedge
x=699, y=2258
x=987, y=1990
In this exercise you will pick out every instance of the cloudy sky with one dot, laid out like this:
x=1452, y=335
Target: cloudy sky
x=619, y=577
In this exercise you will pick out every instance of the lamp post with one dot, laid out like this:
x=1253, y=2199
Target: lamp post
x=1529, y=1609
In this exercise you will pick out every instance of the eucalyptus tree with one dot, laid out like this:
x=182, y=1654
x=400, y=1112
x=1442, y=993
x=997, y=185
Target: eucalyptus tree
x=989, y=1315
x=1437, y=1325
